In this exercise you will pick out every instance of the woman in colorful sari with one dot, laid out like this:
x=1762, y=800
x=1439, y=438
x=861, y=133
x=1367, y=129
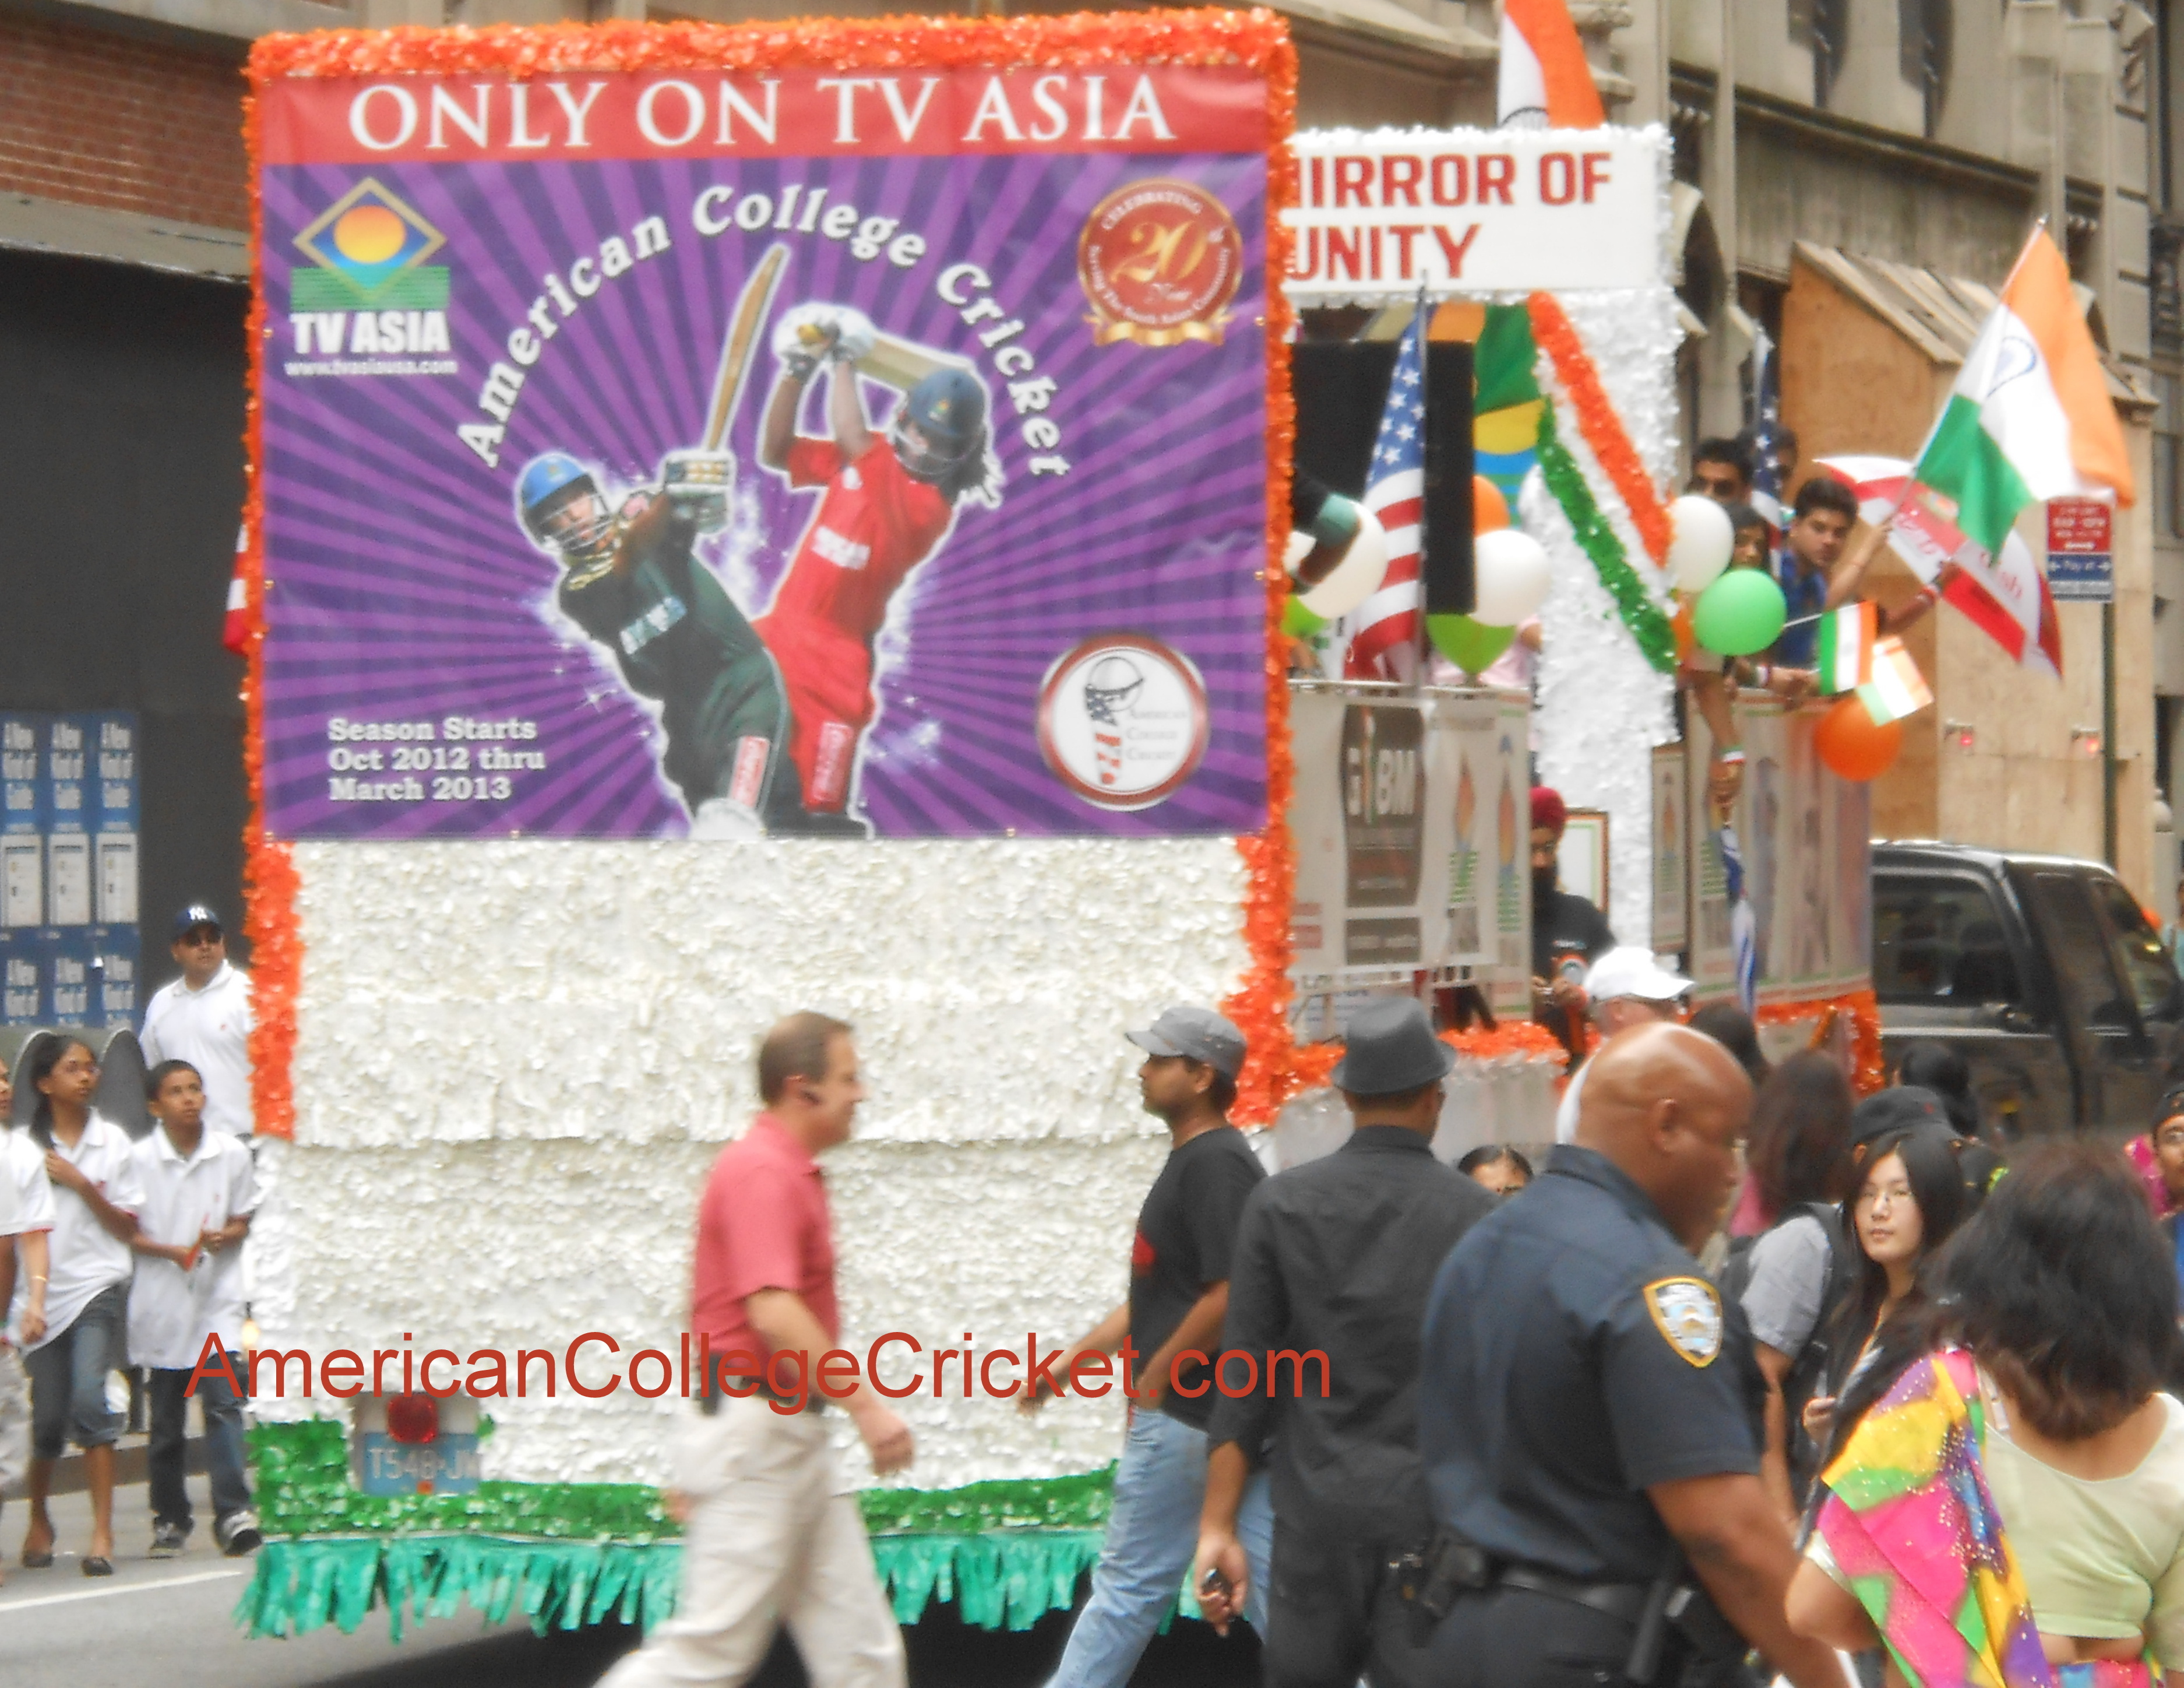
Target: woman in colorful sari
x=2005, y=1494
x=1909, y=1202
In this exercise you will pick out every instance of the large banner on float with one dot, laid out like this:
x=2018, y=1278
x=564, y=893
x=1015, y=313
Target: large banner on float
x=674, y=453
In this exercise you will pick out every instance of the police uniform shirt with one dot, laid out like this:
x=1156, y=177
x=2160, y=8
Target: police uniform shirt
x=1574, y=1358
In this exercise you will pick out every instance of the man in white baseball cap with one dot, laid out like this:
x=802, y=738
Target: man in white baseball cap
x=1626, y=986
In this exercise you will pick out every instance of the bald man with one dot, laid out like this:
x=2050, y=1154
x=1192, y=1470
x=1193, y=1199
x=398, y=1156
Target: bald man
x=1589, y=1413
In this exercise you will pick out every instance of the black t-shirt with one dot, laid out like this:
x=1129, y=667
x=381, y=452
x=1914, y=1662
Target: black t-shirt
x=1186, y=1231
x=1575, y=1356
x=1564, y=925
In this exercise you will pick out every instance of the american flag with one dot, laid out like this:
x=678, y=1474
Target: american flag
x=1383, y=630
x=1767, y=491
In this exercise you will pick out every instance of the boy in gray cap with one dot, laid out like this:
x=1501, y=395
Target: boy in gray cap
x=1179, y=1297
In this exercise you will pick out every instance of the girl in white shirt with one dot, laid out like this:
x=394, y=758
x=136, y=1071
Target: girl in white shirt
x=92, y=1168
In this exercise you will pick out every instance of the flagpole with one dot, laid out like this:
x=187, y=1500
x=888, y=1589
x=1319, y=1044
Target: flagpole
x=1422, y=646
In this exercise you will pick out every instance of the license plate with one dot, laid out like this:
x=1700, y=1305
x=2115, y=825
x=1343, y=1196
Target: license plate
x=447, y=1465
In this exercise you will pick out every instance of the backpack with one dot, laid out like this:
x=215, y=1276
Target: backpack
x=1809, y=1370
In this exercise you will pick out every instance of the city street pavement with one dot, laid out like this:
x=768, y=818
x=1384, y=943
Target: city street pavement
x=170, y=1622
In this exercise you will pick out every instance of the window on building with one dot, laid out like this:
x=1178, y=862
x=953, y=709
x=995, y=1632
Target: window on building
x=2168, y=456
x=1926, y=33
x=1830, y=42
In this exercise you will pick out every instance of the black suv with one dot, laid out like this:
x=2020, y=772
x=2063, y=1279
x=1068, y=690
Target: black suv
x=2041, y=971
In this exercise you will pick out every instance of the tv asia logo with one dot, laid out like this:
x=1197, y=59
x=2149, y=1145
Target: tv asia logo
x=370, y=304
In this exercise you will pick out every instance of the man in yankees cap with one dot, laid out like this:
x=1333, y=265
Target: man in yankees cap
x=1179, y=1297
x=204, y=1017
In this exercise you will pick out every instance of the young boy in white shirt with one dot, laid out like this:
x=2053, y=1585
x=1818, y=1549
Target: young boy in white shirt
x=26, y=1215
x=186, y=1306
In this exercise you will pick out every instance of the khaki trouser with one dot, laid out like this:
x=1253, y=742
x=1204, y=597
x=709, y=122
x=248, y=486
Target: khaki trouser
x=14, y=1418
x=772, y=1538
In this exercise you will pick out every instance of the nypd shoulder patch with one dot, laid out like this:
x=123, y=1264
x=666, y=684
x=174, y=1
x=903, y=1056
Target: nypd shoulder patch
x=1688, y=1313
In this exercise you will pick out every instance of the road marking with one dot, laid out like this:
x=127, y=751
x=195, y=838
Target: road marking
x=124, y=1588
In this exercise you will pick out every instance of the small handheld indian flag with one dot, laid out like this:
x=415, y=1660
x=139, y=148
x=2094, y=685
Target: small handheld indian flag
x=2030, y=416
x=1847, y=639
x=235, y=633
x=1896, y=688
x=1543, y=80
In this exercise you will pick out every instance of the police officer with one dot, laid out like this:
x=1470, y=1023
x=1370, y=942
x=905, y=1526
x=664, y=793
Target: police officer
x=1589, y=1414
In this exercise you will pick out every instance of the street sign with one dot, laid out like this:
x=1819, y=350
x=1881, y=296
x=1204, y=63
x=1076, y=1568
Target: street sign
x=2081, y=550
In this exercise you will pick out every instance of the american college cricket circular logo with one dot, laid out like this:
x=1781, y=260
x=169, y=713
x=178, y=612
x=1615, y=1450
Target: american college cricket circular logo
x=1160, y=260
x=1122, y=720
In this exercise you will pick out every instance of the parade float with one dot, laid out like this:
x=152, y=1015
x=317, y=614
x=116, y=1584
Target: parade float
x=528, y=877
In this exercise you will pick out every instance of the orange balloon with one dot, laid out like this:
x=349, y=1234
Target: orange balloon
x=1852, y=745
x=1489, y=508
x=1679, y=624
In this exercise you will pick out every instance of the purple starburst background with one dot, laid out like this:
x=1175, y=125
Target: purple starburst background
x=402, y=587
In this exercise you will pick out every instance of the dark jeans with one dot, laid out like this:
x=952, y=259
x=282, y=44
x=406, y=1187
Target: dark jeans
x=68, y=1378
x=1338, y=1612
x=223, y=1423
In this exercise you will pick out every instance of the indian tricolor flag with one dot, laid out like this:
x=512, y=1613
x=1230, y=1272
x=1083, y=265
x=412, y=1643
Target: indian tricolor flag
x=1896, y=688
x=2030, y=417
x=235, y=633
x=1544, y=82
x=1846, y=640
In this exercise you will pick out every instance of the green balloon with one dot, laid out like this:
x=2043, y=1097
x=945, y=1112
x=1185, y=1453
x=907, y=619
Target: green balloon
x=1740, y=614
x=1470, y=645
x=1298, y=622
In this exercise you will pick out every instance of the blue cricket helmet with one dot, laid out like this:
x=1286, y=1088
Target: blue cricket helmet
x=546, y=486
x=545, y=478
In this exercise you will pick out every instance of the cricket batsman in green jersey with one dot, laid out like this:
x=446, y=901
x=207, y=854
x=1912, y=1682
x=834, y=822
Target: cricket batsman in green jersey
x=632, y=582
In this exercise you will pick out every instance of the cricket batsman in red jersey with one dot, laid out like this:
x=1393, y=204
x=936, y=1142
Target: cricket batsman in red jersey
x=887, y=504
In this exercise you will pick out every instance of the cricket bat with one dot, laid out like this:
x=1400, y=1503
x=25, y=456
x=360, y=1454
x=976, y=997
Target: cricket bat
x=902, y=364
x=741, y=346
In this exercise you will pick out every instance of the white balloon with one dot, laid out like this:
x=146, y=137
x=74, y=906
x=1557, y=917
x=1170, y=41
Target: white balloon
x=1357, y=576
x=1700, y=540
x=1510, y=577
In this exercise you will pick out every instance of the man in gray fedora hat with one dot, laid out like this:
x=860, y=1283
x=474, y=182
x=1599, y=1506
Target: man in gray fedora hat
x=1350, y=1518
x=1172, y=1321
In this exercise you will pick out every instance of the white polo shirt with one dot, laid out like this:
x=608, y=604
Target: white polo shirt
x=87, y=1257
x=211, y=1029
x=171, y=1312
x=26, y=1200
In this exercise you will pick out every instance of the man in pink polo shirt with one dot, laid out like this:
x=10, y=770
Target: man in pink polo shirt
x=770, y=1533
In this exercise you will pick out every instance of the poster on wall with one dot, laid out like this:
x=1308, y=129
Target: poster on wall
x=1406, y=822
x=1672, y=889
x=1804, y=839
x=711, y=453
x=1468, y=770
x=1372, y=858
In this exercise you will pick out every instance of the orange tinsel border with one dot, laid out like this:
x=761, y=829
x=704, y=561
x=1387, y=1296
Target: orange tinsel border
x=1255, y=40
x=1314, y=1063
x=1597, y=421
x=1260, y=1004
x=269, y=869
x=1869, y=1071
